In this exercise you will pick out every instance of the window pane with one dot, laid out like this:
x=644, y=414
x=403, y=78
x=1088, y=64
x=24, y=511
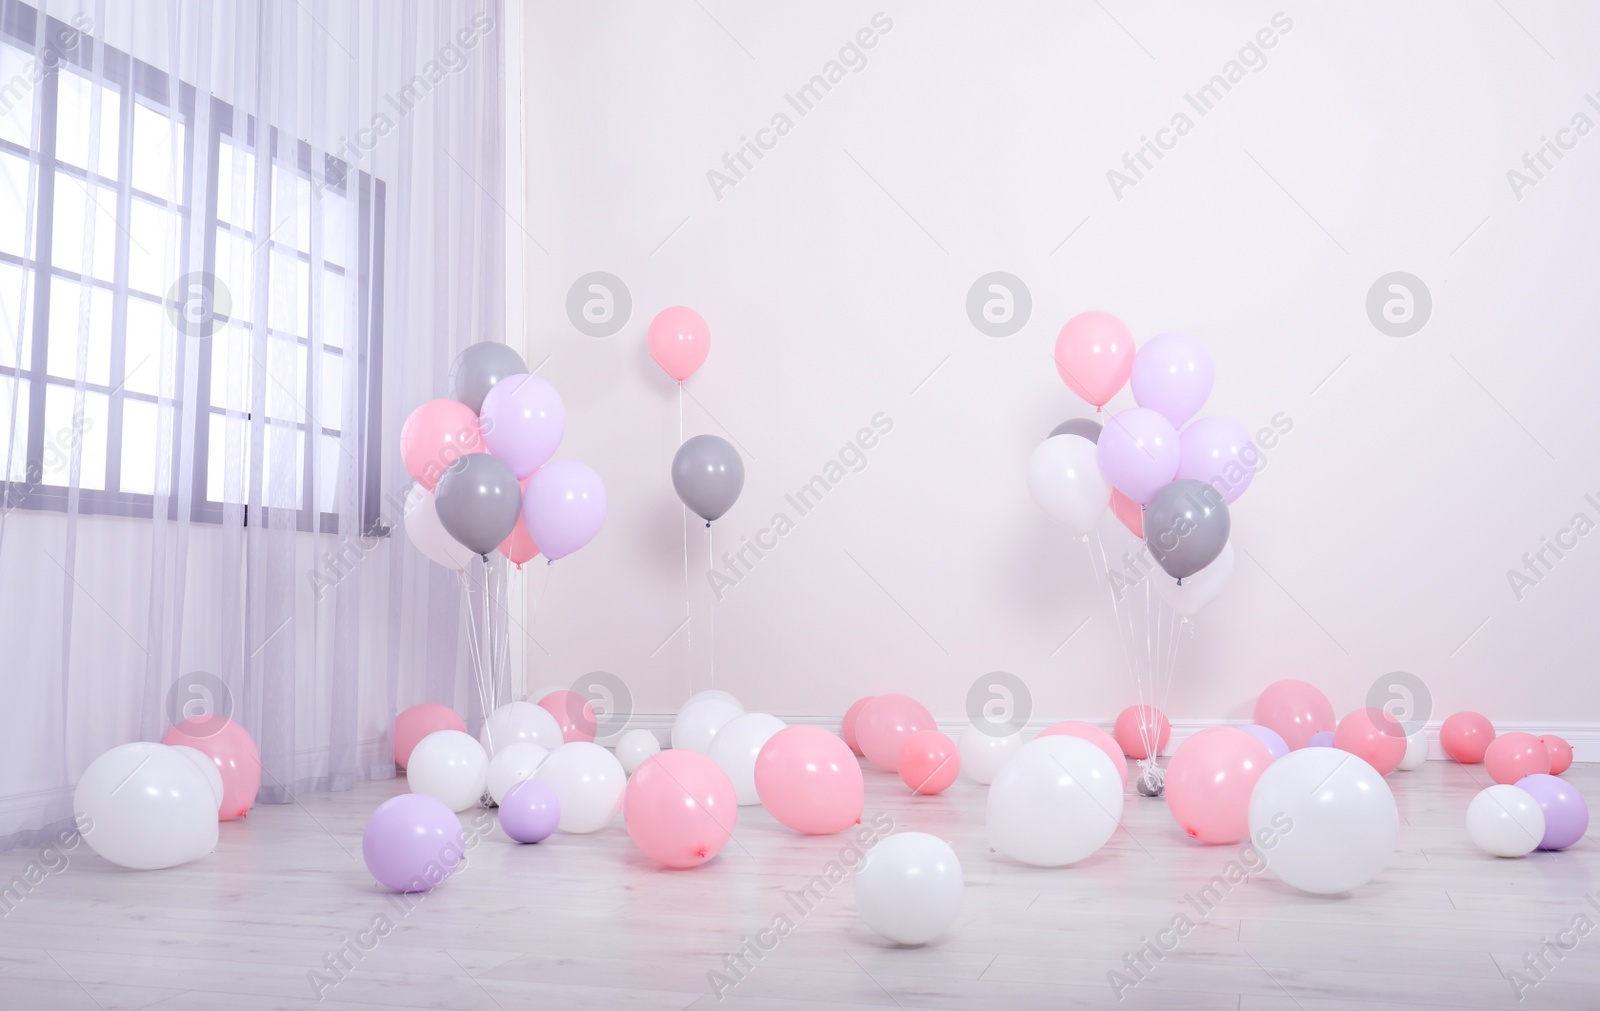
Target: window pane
x=16, y=112
x=331, y=464
x=154, y=137
x=330, y=391
x=71, y=228
x=228, y=460
x=74, y=111
x=19, y=435
x=291, y=293
x=146, y=429
x=282, y=472
x=151, y=354
x=338, y=228
x=286, y=379
x=236, y=185
x=63, y=428
x=337, y=313
x=234, y=266
x=14, y=205
x=16, y=316
x=231, y=369
x=291, y=209
x=153, y=262
x=69, y=329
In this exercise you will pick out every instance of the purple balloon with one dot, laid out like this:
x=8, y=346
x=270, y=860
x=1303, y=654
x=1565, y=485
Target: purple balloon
x=1137, y=453
x=523, y=421
x=1219, y=452
x=529, y=811
x=1566, y=816
x=1172, y=374
x=1271, y=738
x=564, y=506
x=1321, y=739
x=413, y=842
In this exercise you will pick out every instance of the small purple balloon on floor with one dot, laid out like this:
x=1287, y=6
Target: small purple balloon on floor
x=413, y=842
x=1566, y=815
x=1321, y=739
x=1271, y=738
x=529, y=811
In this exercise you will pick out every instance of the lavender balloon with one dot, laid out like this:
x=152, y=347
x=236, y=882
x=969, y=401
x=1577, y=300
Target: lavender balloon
x=1137, y=453
x=1271, y=738
x=413, y=842
x=1219, y=452
x=529, y=811
x=523, y=420
x=564, y=506
x=1321, y=739
x=1172, y=374
x=1566, y=816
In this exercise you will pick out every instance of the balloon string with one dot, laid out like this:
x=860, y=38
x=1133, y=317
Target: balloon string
x=688, y=615
x=475, y=657
x=711, y=613
x=1125, y=634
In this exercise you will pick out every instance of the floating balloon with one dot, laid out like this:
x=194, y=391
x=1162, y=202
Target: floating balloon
x=529, y=811
x=478, y=501
x=1295, y=710
x=1209, y=781
x=1138, y=453
x=428, y=535
x=884, y=725
x=909, y=889
x=519, y=545
x=1505, y=821
x=1128, y=512
x=809, y=781
x=1137, y=727
x=634, y=747
x=564, y=507
x=679, y=341
x=1218, y=452
x=1097, y=737
x=511, y=764
x=1566, y=816
x=478, y=368
x=1094, y=355
x=1172, y=375
x=573, y=713
x=145, y=806
x=231, y=747
x=680, y=809
x=1273, y=741
x=1065, y=481
x=699, y=720
x=1084, y=428
x=708, y=475
x=929, y=762
x=1560, y=753
x=413, y=842
x=1512, y=757
x=983, y=754
x=1185, y=526
x=735, y=747
x=1198, y=589
x=521, y=722
x=1323, y=820
x=850, y=717
x=451, y=767
x=588, y=782
x=1057, y=801
x=413, y=724
x=436, y=435
x=1465, y=737
x=1374, y=736
x=523, y=421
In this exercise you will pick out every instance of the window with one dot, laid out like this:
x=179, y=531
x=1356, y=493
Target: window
x=104, y=275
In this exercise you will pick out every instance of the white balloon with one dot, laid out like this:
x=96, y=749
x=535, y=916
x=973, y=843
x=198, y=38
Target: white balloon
x=1054, y=802
x=909, y=889
x=207, y=766
x=983, y=754
x=1416, y=751
x=735, y=749
x=634, y=747
x=1199, y=589
x=713, y=693
x=517, y=722
x=512, y=764
x=449, y=766
x=146, y=806
x=1505, y=821
x=429, y=535
x=1065, y=481
x=1323, y=820
x=589, y=783
x=699, y=722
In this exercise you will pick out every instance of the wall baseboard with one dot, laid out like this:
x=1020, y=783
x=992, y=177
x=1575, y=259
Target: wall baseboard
x=1584, y=737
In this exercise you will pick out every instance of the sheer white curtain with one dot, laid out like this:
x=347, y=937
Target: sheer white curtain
x=238, y=242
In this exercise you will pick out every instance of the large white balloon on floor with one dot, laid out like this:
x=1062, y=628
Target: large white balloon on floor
x=635, y=746
x=700, y=720
x=517, y=722
x=450, y=766
x=1416, y=751
x=735, y=749
x=1323, y=820
x=909, y=889
x=207, y=767
x=1055, y=802
x=1505, y=821
x=983, y=754
x=512, y=764
x=589, y=784
x=146, y=806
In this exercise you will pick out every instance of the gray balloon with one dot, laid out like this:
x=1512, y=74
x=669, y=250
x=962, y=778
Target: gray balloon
x=1079, y=426
x=479, y=367
x=1186, y=525
x=479, y=502
x=708, y=476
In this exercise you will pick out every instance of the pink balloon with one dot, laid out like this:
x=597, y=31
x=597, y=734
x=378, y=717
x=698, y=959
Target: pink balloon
x=1135, y=724
x=564, y=506
x=1138, y=453
x=680, y=808
x=1465, y=737
x=1094, y=354
x=573, y=713
x=229, y=745
x=519, y=545
x=1209, y=782
x=1128, y=512
x=1512, y=756
x=850, y=717
x=1219, y=452
x=1294, y=710
x=929, y=762
x=808, y=780
x=679, y=341
x=1095, y=736
x=884, y=724
x=438, y=433
x=1560, y=753
x=523, y=420
x=412, y=725
x=1172, y=375
x=1375, y=737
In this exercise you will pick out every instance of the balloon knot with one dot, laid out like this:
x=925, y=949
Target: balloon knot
x=519, y=566
x=1180, y=580
x=708, y=524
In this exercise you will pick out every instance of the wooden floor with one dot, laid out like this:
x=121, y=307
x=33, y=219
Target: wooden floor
x=586, y=922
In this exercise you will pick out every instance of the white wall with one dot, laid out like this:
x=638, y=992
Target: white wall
x=1376, y=138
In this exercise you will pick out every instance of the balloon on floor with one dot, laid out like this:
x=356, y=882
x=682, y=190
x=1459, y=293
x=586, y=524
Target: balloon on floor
x=885, y=723
x=1055, y=802
x=146, y=806
x=1323, y=820
x=1566, y=814
x=588, y=782
x=413, y=724
x=231, y=747
x=680, y=808
x=1209, y=782
x=413, y=842
x=1505, y=821
x=809, y=781
x=983, y=754
x=634, y=747
x=929, y=762
x=450, y=767
x=909, y=889
x=529, y=811
x=1294, y=710
x=736, y=746
x=1465, y=737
